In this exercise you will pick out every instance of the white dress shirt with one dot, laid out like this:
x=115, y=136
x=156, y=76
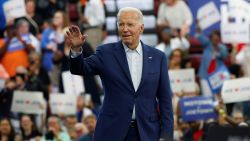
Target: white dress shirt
x=135, y=61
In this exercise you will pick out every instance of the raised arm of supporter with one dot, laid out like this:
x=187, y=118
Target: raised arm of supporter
x=10, y=34
x=28, y=47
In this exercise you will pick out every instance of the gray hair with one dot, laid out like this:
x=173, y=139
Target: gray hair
x=126, y=9
x=20, y=22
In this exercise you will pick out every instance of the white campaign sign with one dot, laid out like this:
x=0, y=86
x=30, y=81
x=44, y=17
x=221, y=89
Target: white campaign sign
x=72, y=84
x=28, y=102
x=182, y=80
x=208, y=15
x=14, y=9
x=236, y=90
x=63, y=104
x=235, y=32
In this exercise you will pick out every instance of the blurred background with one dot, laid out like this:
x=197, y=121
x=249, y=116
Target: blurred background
x=206, y=42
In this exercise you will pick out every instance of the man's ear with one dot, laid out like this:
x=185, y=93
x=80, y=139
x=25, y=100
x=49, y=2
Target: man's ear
x=142, y=28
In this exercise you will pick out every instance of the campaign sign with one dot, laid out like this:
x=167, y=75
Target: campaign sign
x=217, y=78
x=235, y=32
x=72, y=84
x=63, y=104
x=28, y=102
x=182, y=80
x=197, y=108
x=208, y=15
x=237, y=90
x=14, y=9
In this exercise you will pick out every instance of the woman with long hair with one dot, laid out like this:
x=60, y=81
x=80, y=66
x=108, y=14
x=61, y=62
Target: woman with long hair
x=7, y=132
x=53, y=38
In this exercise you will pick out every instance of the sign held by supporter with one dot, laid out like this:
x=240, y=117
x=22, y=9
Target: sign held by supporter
x=236, y=90
x=217, y=78
x=197, y=108
x=28, y=102
x=72, y=84
x=208, y=15
x=14, y=9
x=182, y=80
x=63, y=103
x=235, y=32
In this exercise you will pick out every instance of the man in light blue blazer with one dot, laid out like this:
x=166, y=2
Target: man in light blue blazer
x=137, y=104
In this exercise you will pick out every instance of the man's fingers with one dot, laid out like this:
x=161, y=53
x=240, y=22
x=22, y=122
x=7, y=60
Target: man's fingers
x=71, y=30
x=75, y=29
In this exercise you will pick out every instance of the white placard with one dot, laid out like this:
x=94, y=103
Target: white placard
x=63, y=103
x=150, y=39
x=182, y=80
x=28, y=102
x=111, y=23
x=149, y=22
x=236, y=90
x=208, y=15
x=110, y=5
x=72, y=84
x=14, y=9
x=239, y=10
x=235, y=32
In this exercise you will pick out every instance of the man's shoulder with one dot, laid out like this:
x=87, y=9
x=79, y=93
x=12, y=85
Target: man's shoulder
x=154, y=51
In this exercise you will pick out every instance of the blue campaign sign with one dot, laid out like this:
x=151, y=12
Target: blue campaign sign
x=217, y=78
x=197, y=108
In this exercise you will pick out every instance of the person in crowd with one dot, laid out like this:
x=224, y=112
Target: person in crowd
x=165, y=45
x=93, y=19
x=54, y=131
x=82, y=109
x=238, y=117
x=90, y=122
x=214, y=55
x=53, y=39
x=28, y=128
x=70, y=122
x=38, y=76
x=176, y=15
x=6, y=96
x=80, y=129
x=7, y=132
x=128, y=62
x=16, y=47
x=176, y=59
x=34, y=19
x=48, y=8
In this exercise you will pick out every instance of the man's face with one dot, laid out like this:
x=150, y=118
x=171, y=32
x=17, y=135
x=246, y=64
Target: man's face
x=70, y=122
x=130, y=28
x=90, y=124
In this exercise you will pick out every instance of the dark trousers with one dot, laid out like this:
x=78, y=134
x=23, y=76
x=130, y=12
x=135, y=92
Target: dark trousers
x=133, y=133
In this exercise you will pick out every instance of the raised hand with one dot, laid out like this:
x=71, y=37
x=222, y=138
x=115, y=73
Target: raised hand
x=75, y=38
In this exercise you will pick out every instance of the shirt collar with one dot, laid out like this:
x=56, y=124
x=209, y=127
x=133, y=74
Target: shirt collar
x=138, y=49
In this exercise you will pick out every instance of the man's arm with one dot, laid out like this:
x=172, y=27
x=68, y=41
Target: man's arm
x=78, y=64
x=164, y=96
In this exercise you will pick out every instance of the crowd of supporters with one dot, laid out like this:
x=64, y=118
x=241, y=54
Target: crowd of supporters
x=34, y=53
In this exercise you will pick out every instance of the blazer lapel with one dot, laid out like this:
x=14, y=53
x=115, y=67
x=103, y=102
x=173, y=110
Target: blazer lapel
x=121, y=57
x=146, y=63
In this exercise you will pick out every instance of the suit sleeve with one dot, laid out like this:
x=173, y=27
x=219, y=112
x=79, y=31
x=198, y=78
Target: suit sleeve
x=86, y=66
x=164, y=96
